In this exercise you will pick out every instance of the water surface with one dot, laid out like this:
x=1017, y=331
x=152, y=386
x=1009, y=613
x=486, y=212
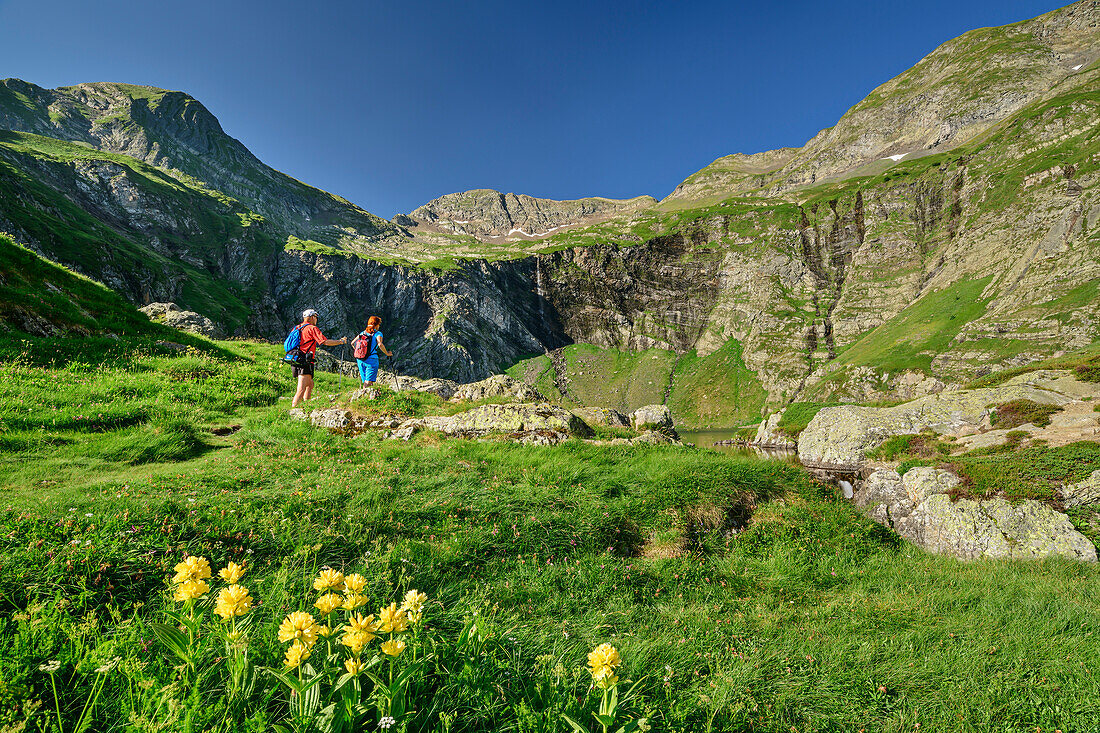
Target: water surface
x=707, y=439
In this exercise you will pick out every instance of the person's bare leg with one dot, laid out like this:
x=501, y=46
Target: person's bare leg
x=300, y=394
x=309, y=386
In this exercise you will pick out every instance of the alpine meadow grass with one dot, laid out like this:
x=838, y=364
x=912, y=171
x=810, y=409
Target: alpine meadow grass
x=734, y=594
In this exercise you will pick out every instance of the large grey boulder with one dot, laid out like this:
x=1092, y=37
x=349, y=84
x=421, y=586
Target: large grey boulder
x=602, y=416
x=1082, y=493
x=920, y=508
x=498, y=385
x=767, y=433
x=172, y=315
x=842, y=435
x=994, y=528
x=508, y=418
x=651, y=417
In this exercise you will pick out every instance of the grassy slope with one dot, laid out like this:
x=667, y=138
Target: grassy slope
x=813, y=617
x=712, y=391
x=73, y=236
x=82, y=311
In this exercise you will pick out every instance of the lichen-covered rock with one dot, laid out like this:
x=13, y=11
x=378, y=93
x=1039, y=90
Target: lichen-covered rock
x=498, y=385
x=602, y=416
x=920, y=509
x=653, y=437
x=508, y=418
x=994, y=528
x=172, y=315
x=541, y=437
x=332, y=418
x=1082, y=493
x=842, y=435
x=159, y=310
x=768, y=435
x=403, y=433
x=495, y=386
x=651, y=417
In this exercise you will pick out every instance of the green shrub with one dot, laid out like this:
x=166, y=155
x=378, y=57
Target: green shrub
x=1020, y=412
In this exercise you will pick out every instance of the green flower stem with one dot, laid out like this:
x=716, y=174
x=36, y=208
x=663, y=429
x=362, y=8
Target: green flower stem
x=56, y=703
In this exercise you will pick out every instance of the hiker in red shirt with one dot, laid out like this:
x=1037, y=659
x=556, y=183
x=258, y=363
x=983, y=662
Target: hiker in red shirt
x=310, y=338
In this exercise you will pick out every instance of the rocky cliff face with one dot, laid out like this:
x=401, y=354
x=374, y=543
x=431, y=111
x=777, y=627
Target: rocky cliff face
x=463, y=324
x=488, y=214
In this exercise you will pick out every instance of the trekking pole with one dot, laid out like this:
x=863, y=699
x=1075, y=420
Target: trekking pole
x=396, y=383
x=345, y=353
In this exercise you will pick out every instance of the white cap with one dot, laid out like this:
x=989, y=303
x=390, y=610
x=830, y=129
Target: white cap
x=307, y=313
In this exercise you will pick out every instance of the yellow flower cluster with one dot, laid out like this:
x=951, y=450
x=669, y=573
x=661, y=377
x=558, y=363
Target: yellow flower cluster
x=338, y=591
x=190, y=579
x=602, y=662
x=233, y=601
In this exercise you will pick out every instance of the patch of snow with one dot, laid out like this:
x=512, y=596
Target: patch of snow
x=520, y=231
x=1078, y=67
x=895, y=158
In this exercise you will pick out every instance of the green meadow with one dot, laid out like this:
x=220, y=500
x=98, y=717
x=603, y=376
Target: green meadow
x=740, y=594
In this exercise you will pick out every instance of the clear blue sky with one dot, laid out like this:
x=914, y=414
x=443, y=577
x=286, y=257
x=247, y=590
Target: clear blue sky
x=391, y=104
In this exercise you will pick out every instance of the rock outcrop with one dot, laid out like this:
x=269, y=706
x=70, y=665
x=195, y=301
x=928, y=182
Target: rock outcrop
x=920, y=508
x=768, y=435
x=492, y=215
x=602, y=416
x=842, y=435
x=653, y=417
x=1082, y=493
x=498, y=386
x=172, y=315
x=508, y=418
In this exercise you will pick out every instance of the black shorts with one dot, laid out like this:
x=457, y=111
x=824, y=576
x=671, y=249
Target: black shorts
x=305, y=371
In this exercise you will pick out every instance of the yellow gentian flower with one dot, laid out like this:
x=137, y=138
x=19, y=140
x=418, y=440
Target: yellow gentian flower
x=392, y=620
x=353, y=601
x=231, y=573
x=354, y=583
x=328, y=603
x=296, y=654
x=233, y=601
x=193, y=568
x=323, y=630
x=329, y=580
x=359, y=623
x=602, y=662
x=353, y=666
x=298, y=627
x=191, y=589
x=414, y=601
x=356, y=640
x=393, y=647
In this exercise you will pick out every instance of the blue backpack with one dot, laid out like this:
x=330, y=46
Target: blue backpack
x=294, y=355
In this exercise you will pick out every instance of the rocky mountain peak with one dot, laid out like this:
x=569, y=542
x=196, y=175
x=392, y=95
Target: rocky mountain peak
x=488, y=214
x=958, y=91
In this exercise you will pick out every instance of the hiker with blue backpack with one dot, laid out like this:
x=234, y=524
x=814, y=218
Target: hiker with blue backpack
x=301, y=352
x=367, y=345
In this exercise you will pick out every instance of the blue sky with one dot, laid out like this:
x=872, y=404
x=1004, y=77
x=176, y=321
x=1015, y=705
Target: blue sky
x=391, y=104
